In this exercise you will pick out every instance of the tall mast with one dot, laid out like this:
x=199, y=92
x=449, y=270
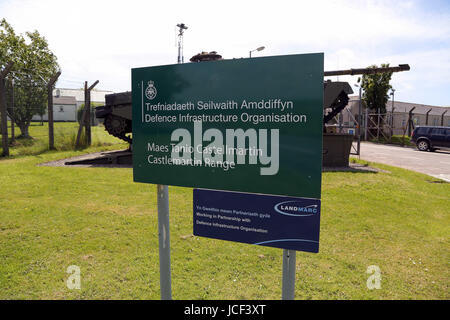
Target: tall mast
x=181, y=27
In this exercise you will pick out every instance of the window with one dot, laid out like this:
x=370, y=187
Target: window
x=439, y=131
x=421, y=130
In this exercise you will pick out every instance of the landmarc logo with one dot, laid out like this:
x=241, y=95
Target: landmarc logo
x=151, y=91
x=296, y=209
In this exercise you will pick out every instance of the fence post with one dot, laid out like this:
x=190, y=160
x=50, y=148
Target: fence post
x=442, y=118
x=4, y=117
x=80, y=128
x=51, y=136
x=87, y=105
x=410, y=122
x=426, y=116
x=378, y=126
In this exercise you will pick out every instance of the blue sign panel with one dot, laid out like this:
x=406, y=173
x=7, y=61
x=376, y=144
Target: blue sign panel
x=268, y=220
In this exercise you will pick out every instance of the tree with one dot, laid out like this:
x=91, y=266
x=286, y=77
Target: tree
x=375, y=97
x=34, y=65
x=376, y=87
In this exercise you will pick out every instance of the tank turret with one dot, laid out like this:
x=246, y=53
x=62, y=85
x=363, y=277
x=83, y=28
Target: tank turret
x=206, y=56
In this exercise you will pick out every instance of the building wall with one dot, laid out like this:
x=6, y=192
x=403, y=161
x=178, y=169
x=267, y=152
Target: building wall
x=60, y=113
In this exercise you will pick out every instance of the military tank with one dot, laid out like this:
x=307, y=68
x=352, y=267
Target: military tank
x=117, y=109
x=116, y=115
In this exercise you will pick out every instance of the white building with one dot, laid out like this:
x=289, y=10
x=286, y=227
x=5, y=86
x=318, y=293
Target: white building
x=97, y=96
x=64, y=109
x=67, y=101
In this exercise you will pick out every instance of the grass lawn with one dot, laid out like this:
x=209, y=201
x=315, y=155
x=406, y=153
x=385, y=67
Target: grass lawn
x=99, y=220
x=65, y=134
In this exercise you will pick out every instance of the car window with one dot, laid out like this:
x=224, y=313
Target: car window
x=421, y=130
x=438, y=131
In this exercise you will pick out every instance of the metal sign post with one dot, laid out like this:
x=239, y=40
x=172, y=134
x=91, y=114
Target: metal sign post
x=164, y=242
x=288, y=282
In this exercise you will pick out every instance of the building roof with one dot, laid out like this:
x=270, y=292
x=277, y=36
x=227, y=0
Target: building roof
x=96, y=95
x=64, y=100
x=405, y=107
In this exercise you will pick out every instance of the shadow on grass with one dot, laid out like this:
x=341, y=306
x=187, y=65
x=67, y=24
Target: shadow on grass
x=350, y=169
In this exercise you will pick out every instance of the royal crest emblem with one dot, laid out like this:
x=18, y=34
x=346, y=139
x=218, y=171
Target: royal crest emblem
x=150, y=92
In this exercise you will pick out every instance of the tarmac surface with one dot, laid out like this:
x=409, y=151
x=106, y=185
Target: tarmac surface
x=435, y=164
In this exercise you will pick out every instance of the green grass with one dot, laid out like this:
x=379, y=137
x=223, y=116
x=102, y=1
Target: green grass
x=99, y=220
x=65, y=134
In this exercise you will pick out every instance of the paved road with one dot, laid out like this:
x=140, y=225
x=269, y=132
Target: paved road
x=436, y=164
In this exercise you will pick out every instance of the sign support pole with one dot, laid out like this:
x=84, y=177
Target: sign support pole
x=164, y=242
x=288, y=282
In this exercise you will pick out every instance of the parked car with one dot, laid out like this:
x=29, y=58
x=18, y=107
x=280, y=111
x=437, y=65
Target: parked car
x=431, y=138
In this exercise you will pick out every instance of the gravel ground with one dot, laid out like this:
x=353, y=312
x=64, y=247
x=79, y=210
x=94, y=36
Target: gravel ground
x=353, y=167
x=62, y=162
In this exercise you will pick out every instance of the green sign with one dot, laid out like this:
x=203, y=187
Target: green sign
x=249, y=125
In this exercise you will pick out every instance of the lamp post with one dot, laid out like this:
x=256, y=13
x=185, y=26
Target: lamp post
x=257, y=49
x=392, y=94
x=181, y=27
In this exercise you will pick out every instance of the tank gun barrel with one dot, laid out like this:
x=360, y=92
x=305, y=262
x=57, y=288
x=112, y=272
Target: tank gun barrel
x=401, y=67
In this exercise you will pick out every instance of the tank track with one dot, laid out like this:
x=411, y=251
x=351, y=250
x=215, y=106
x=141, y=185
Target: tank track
x=118, y=127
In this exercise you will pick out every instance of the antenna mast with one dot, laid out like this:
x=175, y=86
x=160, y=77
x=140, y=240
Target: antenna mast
x=181, y=27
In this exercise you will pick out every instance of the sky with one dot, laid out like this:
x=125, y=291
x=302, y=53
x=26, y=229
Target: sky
x=103, y=40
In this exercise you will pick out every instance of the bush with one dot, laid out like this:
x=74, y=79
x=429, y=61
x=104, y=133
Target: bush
x=395, y=139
